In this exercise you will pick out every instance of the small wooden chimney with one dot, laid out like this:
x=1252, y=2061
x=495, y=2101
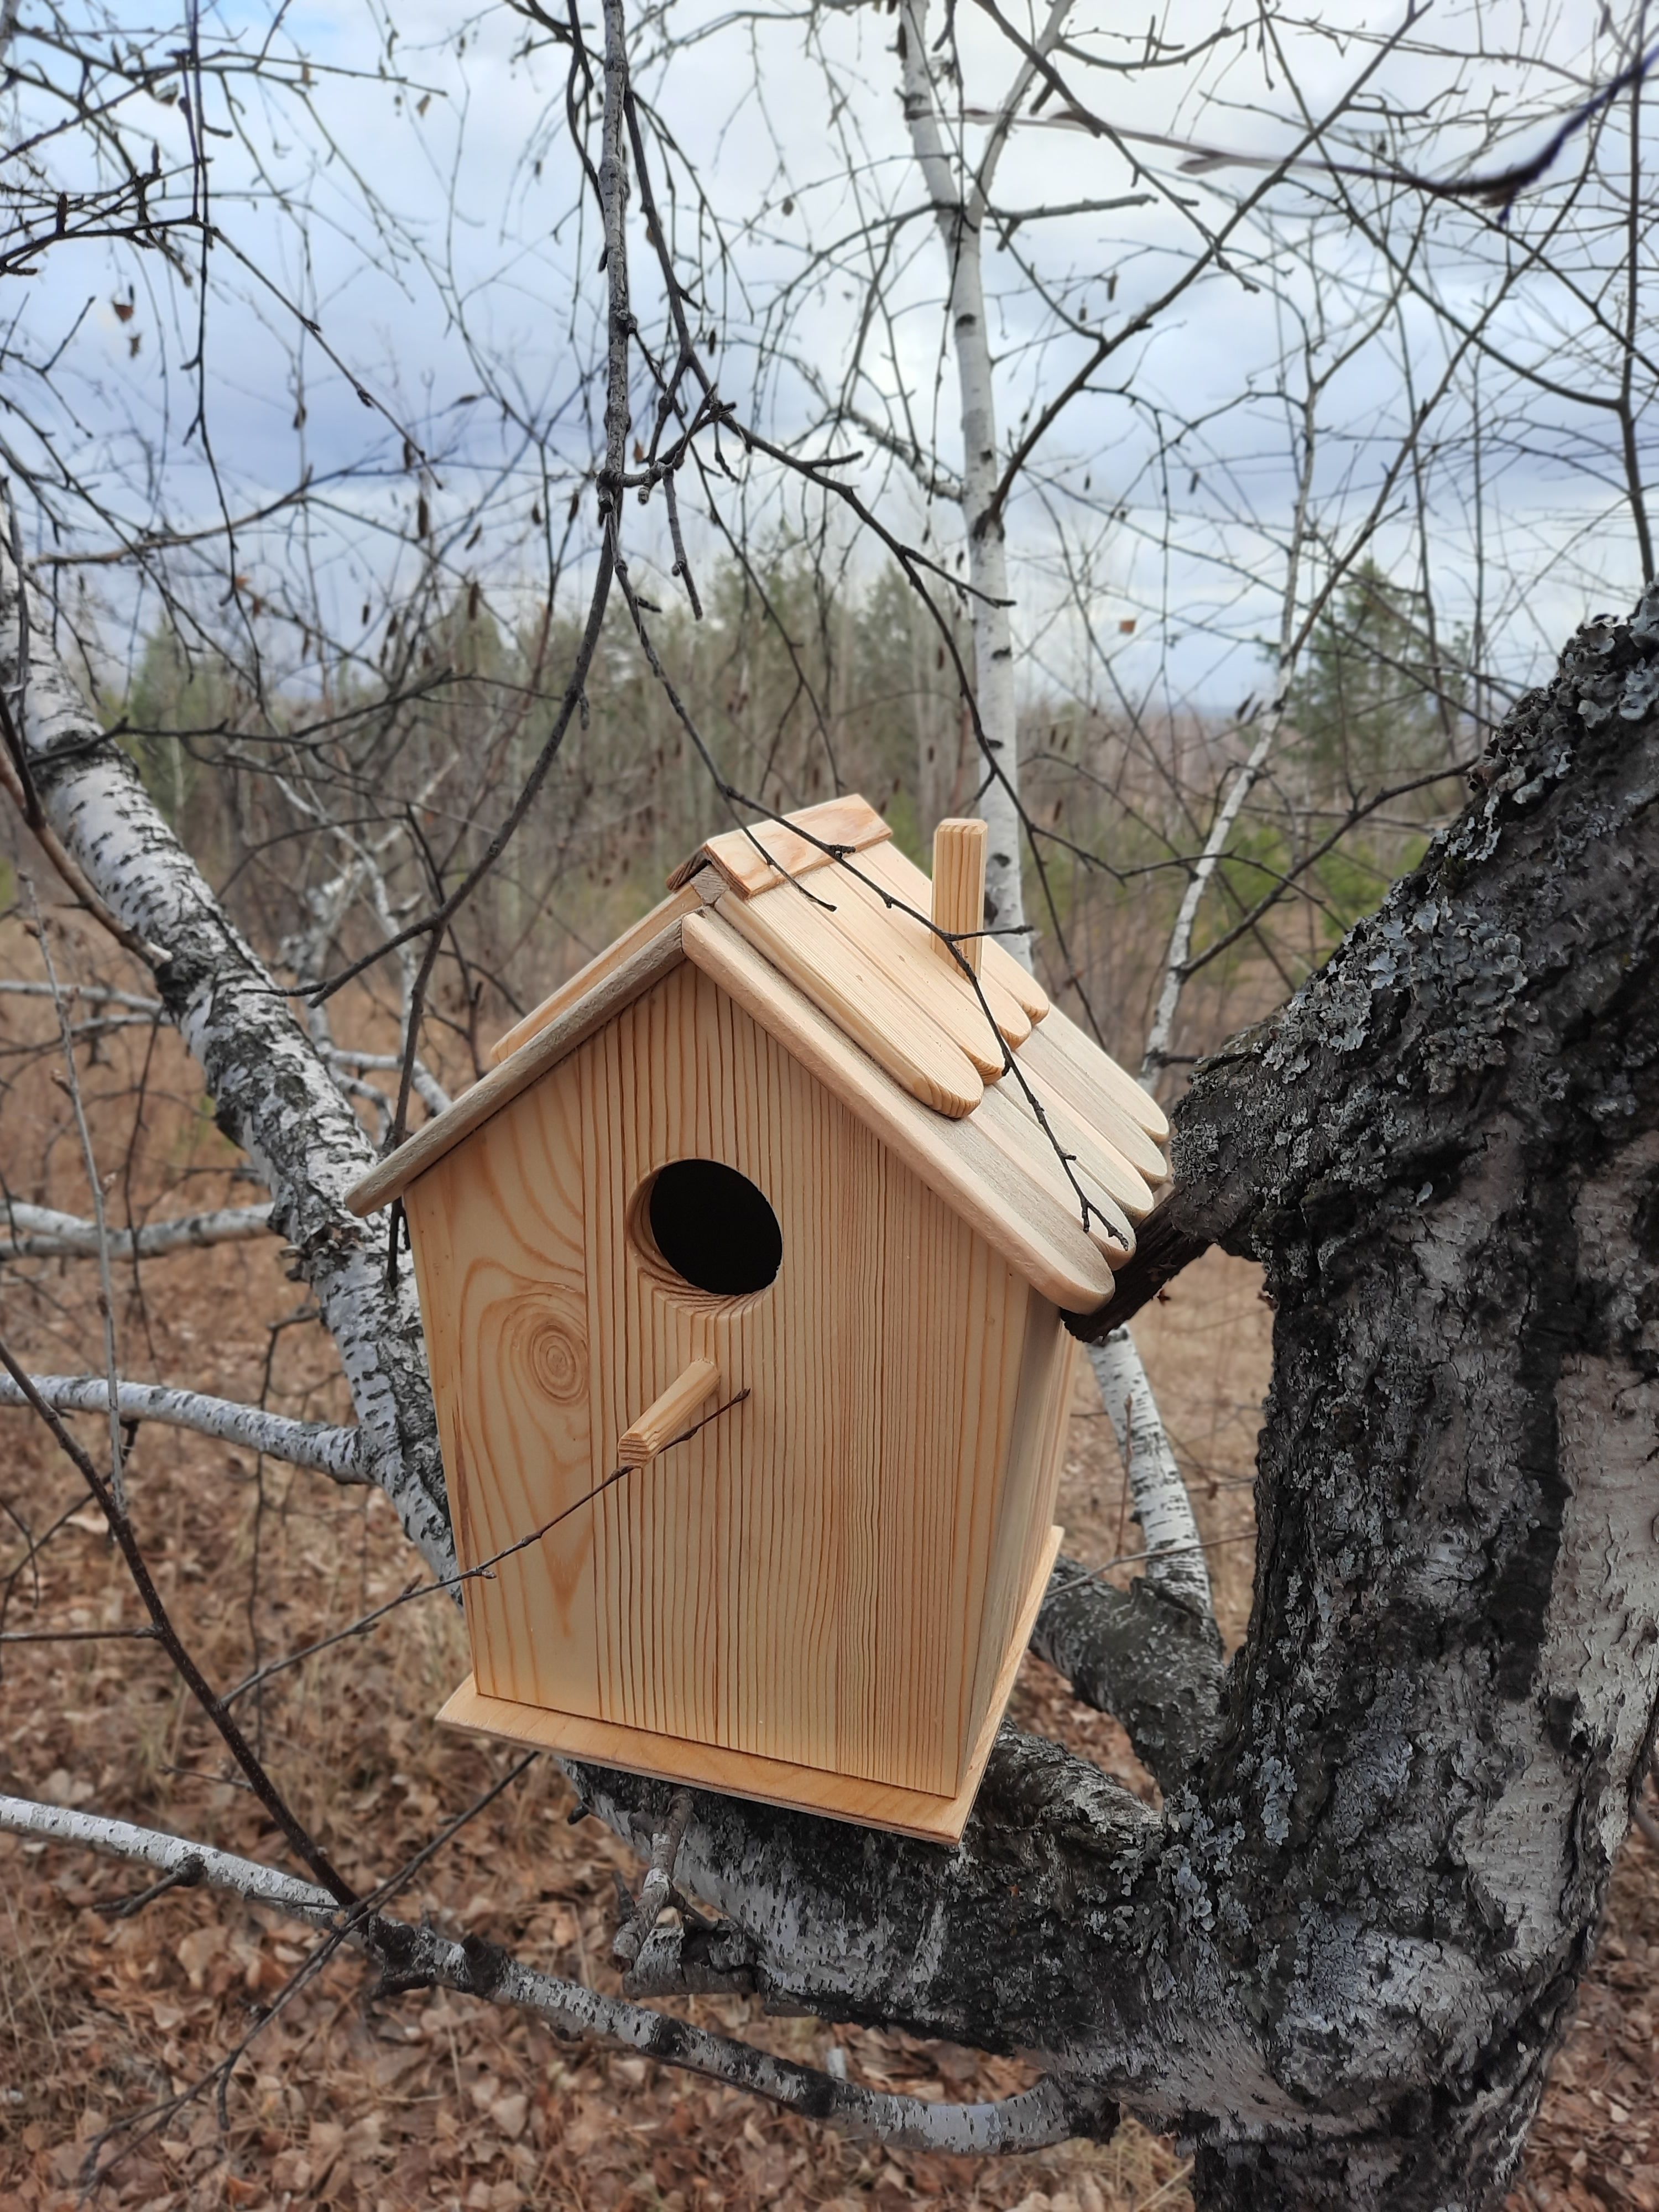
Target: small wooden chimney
x=959, y=890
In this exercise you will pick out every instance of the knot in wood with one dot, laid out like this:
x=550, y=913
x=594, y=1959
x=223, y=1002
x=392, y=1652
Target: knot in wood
x=557, y=1359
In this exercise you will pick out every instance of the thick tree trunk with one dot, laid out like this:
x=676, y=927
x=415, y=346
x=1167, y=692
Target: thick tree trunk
x=1446, y=1153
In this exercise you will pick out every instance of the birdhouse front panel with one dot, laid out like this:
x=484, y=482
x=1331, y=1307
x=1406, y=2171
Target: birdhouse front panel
x=743, y=1274
x=827, y=1570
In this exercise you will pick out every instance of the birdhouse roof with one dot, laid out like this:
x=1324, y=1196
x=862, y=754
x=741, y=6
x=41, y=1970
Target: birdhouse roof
x=817, y=925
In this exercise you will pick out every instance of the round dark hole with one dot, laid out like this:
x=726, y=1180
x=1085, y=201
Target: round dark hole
x=714, y=1227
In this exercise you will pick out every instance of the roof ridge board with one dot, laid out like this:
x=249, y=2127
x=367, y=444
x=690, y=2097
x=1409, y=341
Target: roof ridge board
x=756, y=856
x=389, y=1177
x=962, y=1165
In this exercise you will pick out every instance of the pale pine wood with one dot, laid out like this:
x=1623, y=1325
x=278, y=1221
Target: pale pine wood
x=1020, y=1547
x=496, y=1228
x=391, y=1176
x=1021, y=1139
x=1074, y=1060
x=818, y=1592
x=856, y=988
x=674, y=907
x=907, y=947
x=766, y=854
x=944, y=996
x=895, y=874
x=1110, y=1146
x=669, y=1412
x=959, y=851
x=798, y=1580
x=933, y=1817
x=805, y=1576
x=1103, y=1122
x=1010, y=1209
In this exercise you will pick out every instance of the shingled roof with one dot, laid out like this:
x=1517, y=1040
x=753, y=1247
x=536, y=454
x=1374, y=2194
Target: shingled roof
x=817, y=926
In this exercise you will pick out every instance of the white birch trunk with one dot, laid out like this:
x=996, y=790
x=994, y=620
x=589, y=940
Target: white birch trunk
x=960, y=217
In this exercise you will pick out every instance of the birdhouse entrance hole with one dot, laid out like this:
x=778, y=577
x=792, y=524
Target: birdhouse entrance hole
x=714, y=1228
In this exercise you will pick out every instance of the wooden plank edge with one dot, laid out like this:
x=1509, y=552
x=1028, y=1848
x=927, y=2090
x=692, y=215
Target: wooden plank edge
x=710, y=1766
x=662, y=917
x=816, y=1789
x=1137, y=1103
x=389, y=1177
x=914, y=885
x=718, y=852
x=1002, y=1689
x=922, y=1058
x=1101, y=1118
x=1025, y=1145
x=921, y=1138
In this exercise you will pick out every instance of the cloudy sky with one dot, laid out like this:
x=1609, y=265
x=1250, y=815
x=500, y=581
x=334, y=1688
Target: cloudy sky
x=414, y=194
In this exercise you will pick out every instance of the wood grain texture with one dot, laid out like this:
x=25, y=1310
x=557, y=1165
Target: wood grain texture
x=674, y=907
x=856, y=986
x=1024, y=1141
x=1026, y=1091
x=959, y=850
x=933, y=1817
x=766, y=854
x=806, y=1576
x=1010, y=1209
x=1101, y=1120
x=1094, y=1075
x=496, y=1229
x=889, y=867
x=909, y=947
x=669, y=1412
x=1019, y=1543
x=391, y=1176
x=943, y=995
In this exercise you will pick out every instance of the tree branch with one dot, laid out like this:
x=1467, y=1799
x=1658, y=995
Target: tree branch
x=40, y=1232
x=273, y=1094
x=411, y=1957
x=333, y=1451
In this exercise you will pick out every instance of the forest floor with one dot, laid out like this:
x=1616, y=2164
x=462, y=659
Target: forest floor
x=186, y=2057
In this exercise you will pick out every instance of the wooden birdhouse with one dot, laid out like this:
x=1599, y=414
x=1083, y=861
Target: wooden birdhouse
x=741, y=1274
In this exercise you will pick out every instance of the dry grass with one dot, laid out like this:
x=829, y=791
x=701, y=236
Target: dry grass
x=340, y=2098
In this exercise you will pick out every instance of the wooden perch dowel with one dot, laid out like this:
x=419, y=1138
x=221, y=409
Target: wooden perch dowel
x=959, y=889
x=664, y=1417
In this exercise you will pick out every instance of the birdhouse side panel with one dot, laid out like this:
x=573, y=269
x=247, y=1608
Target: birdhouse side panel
x=1027, y=1491
x=496, y=1228
x=955, y=1329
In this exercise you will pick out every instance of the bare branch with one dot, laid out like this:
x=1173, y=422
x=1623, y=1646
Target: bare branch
x=413, y=1957
x=40, y=1232
x=333, y=1451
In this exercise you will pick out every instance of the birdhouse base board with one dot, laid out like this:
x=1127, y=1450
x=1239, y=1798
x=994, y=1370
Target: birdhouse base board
x=749, y=1774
